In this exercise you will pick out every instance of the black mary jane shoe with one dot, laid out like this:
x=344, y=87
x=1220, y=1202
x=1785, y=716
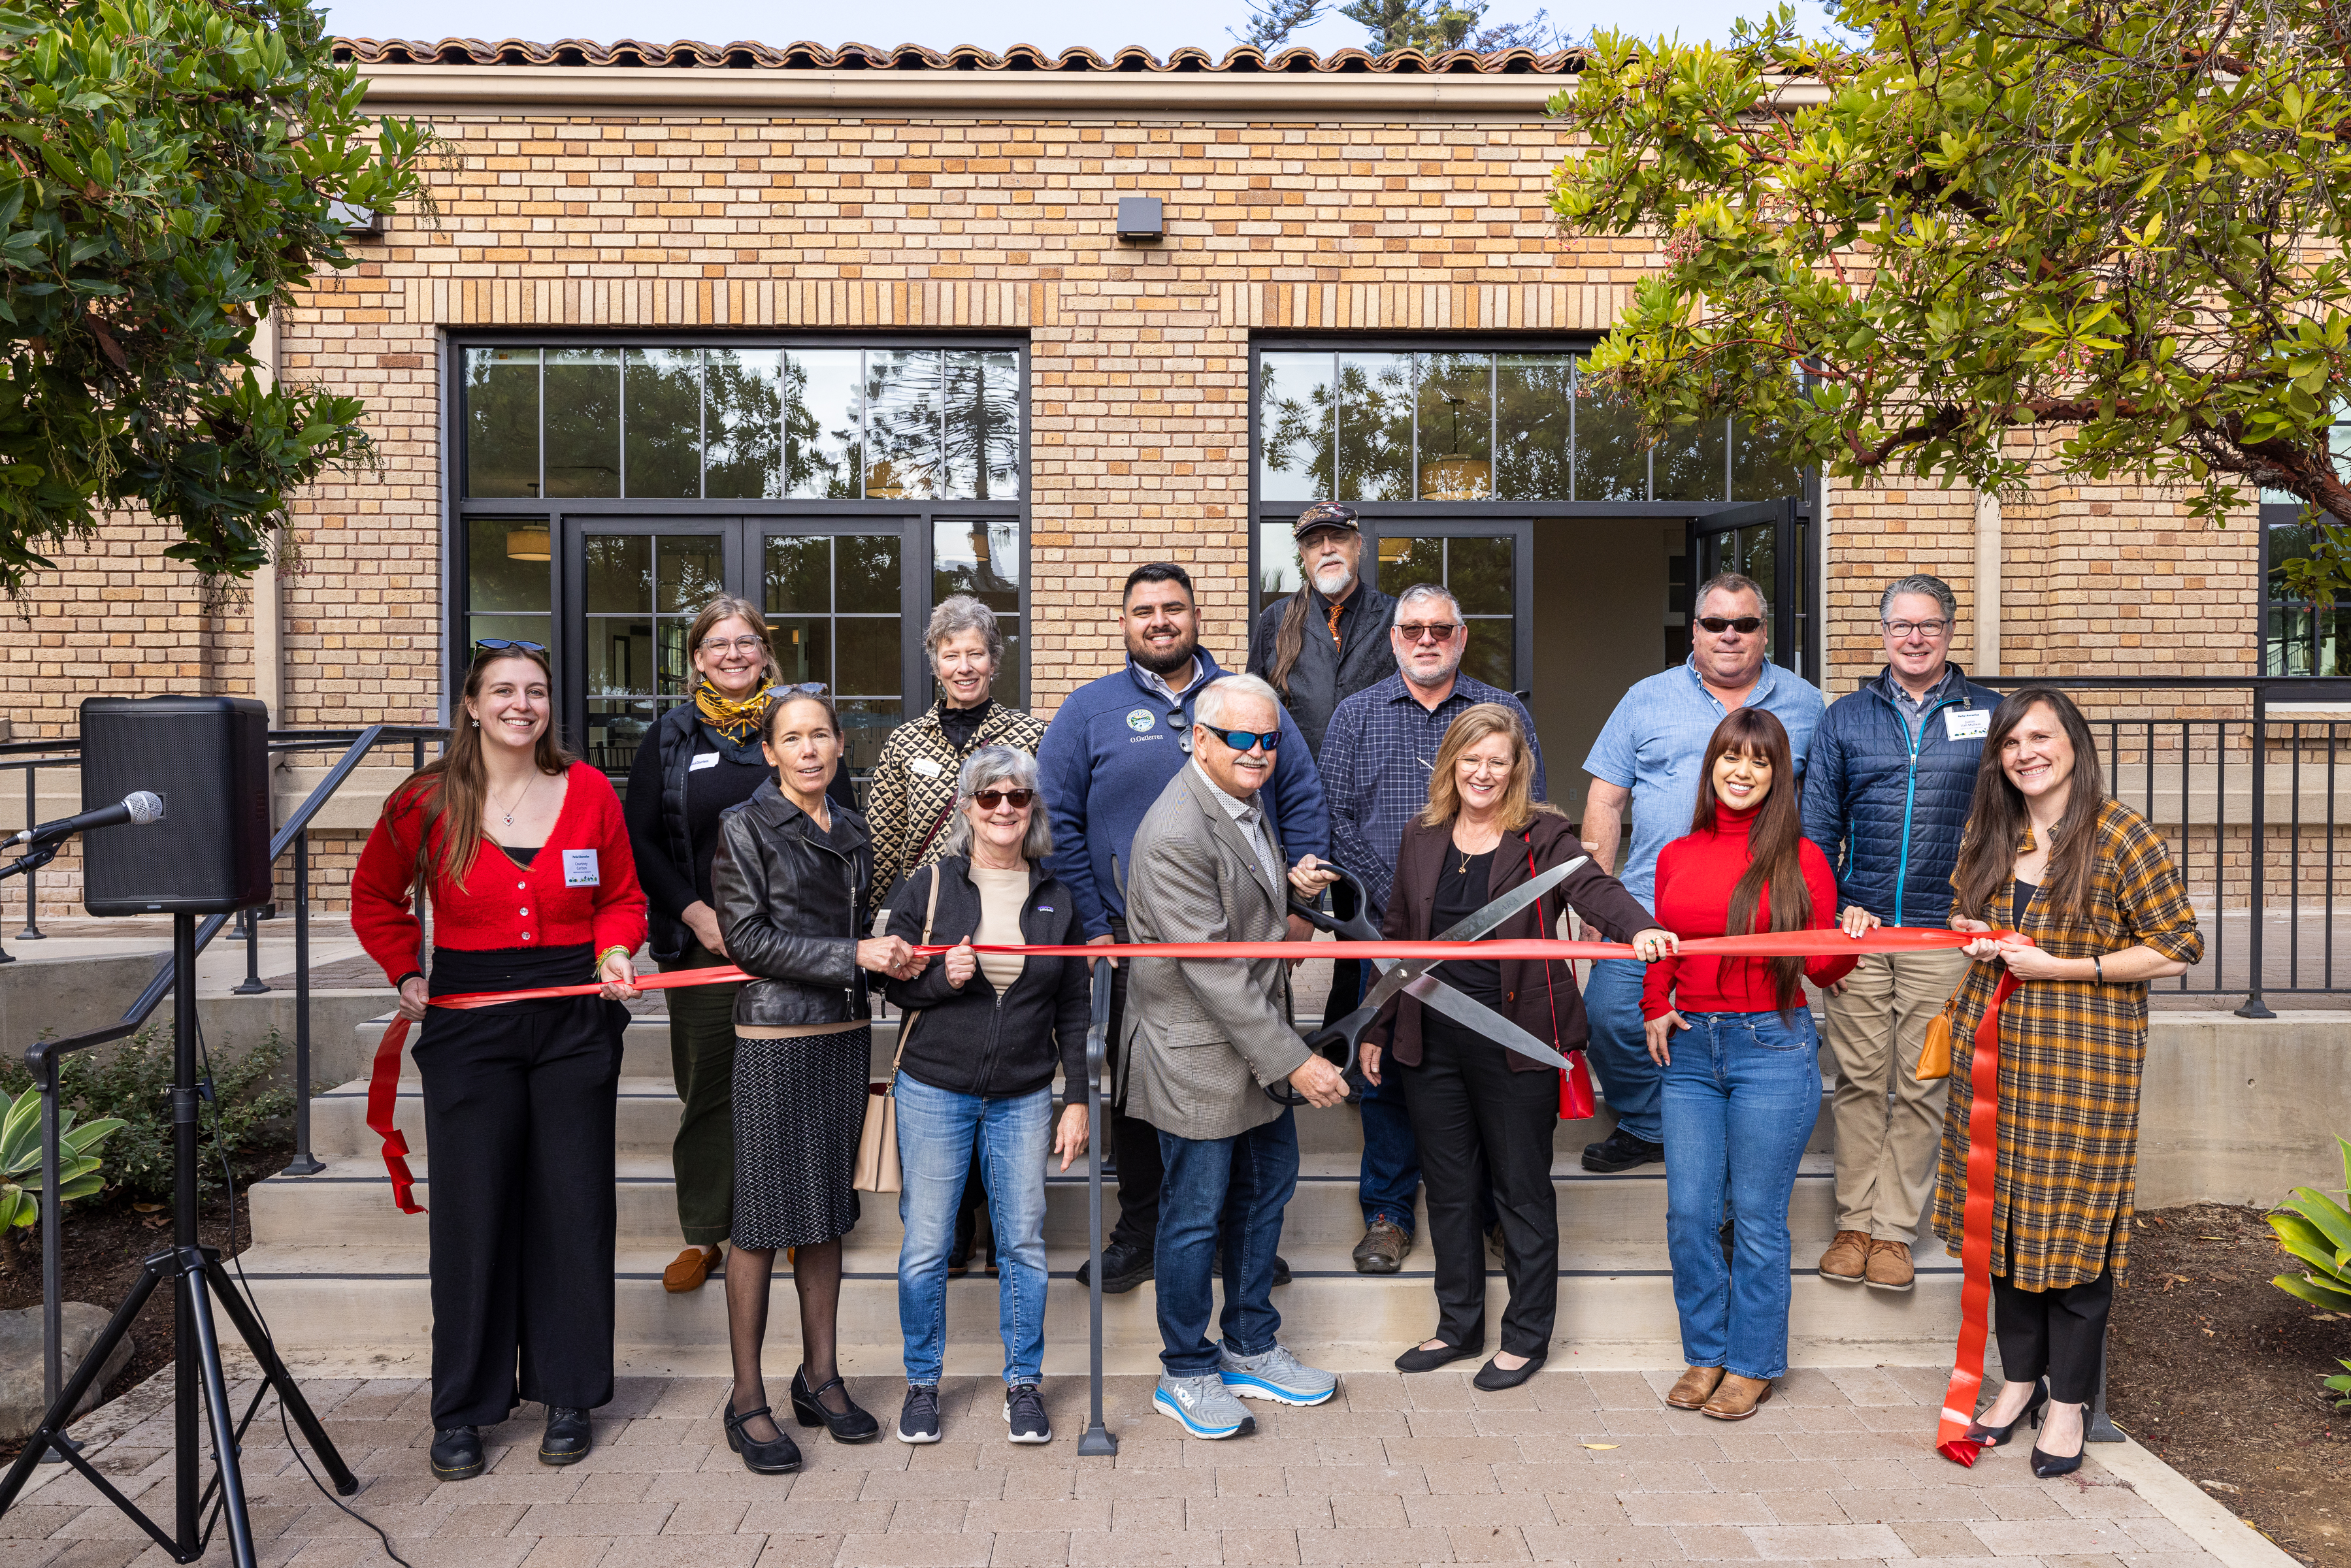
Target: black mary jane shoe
x=1993, y=1436
x=1494, y=1377
x=457, y=1454
x=1419, y=1360
x=851, y=1426
x=568, y=1436
x=778, y=1455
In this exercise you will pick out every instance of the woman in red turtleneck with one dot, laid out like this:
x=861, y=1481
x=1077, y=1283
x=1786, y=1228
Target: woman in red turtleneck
x=1742, y=1081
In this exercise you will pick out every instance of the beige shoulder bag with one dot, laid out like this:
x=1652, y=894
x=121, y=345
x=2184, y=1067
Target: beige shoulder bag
x=877, y=1143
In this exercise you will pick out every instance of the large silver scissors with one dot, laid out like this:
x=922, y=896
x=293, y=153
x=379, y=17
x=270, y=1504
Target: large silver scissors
x=1412, y=977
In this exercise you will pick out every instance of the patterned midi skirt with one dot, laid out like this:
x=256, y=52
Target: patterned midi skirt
x=799, y=1106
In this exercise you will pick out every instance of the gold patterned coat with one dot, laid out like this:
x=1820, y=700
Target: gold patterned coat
x=914, y=786
x=2071, y=1054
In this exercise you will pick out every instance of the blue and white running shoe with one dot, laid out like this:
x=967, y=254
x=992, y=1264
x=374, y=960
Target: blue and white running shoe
x=1204, y=1406
x=1278, y=1375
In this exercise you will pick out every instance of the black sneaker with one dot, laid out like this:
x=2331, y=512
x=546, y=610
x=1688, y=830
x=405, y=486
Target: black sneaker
x=1124, y=1267
x=918, y=1418
x=1024, y=1414
x=456, y=1453
x=1281, y=1270
x=568, y=1437
x=1621, y=1151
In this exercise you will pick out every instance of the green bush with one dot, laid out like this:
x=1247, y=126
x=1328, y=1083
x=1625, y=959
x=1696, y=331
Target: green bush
x=134, y=1084
x=20, y=1157
x=2317, y=1230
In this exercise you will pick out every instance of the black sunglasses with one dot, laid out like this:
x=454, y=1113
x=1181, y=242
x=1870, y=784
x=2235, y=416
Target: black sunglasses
x=501, y=645
x=1243, y=739
x=991, y=799
x=809, y=688
x=1742, y=625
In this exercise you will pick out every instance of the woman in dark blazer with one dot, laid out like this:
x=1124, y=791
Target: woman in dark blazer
x=1484, y=1115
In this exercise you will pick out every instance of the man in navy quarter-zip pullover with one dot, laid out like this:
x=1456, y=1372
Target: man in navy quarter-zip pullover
x=1887, y=794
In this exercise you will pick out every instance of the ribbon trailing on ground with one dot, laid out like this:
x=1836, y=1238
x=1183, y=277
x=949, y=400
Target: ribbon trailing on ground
x=1975, y=1244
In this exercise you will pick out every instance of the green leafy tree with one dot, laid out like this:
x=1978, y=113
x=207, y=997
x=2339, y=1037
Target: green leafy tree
x=171, y=170
x=2118, y=224
x=1431, y=27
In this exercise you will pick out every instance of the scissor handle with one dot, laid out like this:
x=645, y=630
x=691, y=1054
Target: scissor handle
x=1357, y=927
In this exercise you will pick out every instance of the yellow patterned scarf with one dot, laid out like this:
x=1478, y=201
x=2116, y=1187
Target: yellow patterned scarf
x=734, y=720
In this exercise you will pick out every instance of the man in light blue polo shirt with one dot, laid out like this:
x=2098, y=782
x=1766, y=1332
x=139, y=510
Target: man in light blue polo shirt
x=1647, y=758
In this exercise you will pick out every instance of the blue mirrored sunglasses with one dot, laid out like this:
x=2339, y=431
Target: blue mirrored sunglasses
x=1243, y=739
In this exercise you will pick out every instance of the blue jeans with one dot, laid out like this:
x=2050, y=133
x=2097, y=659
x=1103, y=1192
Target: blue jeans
x=1740, y=1099
x=937, y=1129
x=1237, y=1187
x=1619, y=1050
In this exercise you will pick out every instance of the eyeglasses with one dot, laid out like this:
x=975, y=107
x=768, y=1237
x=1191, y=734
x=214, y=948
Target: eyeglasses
x=1903, y=628
x=1428, y=631
x=1742, y=625
x=501, y=645
x=1244, y=739
x=717, y=647
x=989, y=799
x=806, y=689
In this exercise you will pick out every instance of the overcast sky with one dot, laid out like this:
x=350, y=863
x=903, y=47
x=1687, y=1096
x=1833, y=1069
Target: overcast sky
x=1052, y=25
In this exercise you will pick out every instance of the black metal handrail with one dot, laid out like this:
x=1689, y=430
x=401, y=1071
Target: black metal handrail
x=44, y=1057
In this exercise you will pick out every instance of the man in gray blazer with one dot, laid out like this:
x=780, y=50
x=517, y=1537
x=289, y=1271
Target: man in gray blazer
x=1203, y=1037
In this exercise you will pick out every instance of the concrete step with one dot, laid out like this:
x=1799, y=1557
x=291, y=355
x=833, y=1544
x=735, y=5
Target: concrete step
x=644, y=1047
x=367, y=1308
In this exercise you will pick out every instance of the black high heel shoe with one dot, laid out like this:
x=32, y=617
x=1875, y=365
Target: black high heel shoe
x=2049, y=1467
x=1992, y=1437
x=778, y=1457
x=851, y=1426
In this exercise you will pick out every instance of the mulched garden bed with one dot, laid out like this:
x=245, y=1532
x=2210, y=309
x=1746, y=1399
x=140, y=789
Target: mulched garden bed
x=2218, y=1370
x=104, y=1243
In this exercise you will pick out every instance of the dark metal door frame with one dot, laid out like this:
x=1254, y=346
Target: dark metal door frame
x=1521, y=532
x=1792, y=576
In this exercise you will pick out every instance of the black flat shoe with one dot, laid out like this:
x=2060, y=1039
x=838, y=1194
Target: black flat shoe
x=1993, y=1436
x=779, y=1457
x=851, y=1426
x=568, y=1436
x=457, y=1454
x=1493, y=1378
x=1419, y=1360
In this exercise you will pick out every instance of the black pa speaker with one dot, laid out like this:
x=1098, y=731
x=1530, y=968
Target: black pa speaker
x=208, y=758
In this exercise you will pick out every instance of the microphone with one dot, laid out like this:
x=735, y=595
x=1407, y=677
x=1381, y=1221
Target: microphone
x=139, y=808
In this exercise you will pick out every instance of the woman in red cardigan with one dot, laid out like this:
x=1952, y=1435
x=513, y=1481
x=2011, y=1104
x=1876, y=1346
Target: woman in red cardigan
x=527, y=859
x=1742, y=1081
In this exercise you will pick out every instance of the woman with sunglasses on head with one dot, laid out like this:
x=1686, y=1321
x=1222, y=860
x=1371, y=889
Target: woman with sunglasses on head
x=698, y=760
x=976, y=1051
x=1741, y=1060
x=788, y=881
x=525, y=856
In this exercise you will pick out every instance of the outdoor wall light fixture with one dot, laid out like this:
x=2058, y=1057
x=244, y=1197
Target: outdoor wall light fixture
x=1139, y=219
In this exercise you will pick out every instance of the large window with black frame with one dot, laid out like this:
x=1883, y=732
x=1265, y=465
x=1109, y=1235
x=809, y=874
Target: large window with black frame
x=608, y=490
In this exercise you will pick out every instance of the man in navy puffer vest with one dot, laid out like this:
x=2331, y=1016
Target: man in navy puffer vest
x=1886, y=791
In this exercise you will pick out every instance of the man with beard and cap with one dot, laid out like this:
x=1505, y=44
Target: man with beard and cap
x=1106, y=756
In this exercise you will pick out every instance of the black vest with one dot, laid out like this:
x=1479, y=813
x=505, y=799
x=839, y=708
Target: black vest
x=1324, y=676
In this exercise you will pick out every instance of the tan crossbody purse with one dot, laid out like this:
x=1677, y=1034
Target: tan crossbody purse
x=877, y=1141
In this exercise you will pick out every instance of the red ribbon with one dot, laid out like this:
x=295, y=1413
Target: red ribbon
x=1975, y=1243
x=383, y=1086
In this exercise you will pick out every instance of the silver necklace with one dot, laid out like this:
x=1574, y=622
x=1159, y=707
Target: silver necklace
x=506, y=815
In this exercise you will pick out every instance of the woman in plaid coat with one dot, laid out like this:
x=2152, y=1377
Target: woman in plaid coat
x=2091, y=882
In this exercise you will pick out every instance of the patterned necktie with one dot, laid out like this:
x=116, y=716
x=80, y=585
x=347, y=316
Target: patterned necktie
x=1336, y=611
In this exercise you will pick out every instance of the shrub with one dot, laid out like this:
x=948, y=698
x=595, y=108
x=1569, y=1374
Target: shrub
x=20, y=1157
x=134, y=1084
x=2317, y=1230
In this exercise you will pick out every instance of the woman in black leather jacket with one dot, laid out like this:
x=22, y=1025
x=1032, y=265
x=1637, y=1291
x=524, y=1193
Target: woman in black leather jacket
x=789, y=879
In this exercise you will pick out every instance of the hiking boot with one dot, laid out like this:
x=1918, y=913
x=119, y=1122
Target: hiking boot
x=1621, y=1151
x=1847, y=1257
x=457, y=1454
x=1889, y=1267
x=1383, y=1249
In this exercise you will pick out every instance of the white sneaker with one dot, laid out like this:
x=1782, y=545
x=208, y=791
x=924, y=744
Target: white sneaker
x=1204, y=1406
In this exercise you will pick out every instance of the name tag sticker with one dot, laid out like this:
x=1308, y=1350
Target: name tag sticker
x=926, y=767
x=1966, y=723
x=702, y=759
x=580, y=869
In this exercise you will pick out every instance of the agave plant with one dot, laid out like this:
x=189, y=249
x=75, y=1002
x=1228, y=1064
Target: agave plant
x=20, y=1157
x=2317, y=1230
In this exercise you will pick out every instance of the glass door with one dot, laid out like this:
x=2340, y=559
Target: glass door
x=637, y=584
x=1771, y=541
x=843, y=607
x=1487, y=566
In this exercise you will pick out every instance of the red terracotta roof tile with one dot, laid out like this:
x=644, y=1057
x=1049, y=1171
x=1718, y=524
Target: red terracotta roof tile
x=744, y=55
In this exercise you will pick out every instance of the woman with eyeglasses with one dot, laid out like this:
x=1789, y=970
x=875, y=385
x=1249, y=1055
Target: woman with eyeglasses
x=698, y=760
x=976, y=1051
x=526, y=857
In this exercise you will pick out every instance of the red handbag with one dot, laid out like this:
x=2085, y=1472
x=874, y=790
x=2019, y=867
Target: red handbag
x=1575, y=1103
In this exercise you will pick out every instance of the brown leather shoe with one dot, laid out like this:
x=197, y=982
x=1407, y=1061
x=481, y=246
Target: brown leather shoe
x=1847, y=1258
x=1381, y=1250
x=1736, y=1398
x=1889, y=1266
x=688, y=1270
x=1695, y=1388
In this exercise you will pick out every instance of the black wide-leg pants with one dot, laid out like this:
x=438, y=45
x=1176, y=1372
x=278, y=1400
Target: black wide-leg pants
x=2060, y=1334
x=519, y=1104
x=1483, y=1127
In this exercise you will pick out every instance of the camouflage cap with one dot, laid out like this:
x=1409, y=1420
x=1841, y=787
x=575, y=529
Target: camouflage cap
x=1326, y=515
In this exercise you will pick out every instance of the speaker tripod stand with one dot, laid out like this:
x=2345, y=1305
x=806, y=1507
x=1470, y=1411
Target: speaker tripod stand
x=199, y=1280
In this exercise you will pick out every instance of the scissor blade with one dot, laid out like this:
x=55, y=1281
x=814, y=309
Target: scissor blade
x=1431, y=992
x=1395, y=974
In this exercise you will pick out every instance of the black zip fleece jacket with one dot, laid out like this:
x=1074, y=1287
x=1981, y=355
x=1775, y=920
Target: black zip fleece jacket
x=972, y=1041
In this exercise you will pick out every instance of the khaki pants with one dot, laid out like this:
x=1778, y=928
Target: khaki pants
x=1886, y=1151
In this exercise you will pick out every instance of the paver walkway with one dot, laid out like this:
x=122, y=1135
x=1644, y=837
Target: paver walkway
x=1577, y=1466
